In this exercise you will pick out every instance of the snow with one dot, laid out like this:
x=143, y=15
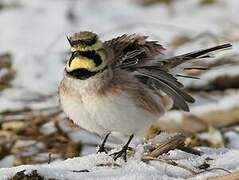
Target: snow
x=102, y=166
x=34, y=32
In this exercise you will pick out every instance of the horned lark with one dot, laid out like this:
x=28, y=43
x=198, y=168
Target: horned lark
x=122, y=85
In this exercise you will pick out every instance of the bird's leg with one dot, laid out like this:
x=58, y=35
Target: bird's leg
x=102, y=146
x=123, y=151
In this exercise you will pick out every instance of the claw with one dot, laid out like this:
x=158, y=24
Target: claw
x=123, y=151
x=102, y=149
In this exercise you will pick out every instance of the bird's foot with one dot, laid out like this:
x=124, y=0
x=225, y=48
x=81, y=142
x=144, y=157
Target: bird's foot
x=123, y=151
x=102, y=149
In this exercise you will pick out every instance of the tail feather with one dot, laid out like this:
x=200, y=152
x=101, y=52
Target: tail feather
x=176, y=60
x=157, y=75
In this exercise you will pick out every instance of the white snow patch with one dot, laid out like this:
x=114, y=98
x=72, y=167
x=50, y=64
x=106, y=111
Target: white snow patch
x=102, y=166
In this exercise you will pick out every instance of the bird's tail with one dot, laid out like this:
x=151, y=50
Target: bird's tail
x=204, y=53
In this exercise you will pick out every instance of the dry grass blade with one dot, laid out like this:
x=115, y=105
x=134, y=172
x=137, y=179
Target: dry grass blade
x=170, y=162
x=232, y=176
x=168, y=145
x=153, y=2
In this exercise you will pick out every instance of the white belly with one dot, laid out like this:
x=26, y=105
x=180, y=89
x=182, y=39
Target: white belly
x=115, y=113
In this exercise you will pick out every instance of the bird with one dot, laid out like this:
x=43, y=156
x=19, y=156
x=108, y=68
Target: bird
x=122, y=85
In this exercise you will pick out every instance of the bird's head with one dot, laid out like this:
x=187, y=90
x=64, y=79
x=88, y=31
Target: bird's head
x=88, y=55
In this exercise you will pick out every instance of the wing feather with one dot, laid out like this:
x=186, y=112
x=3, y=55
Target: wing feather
x=159, y=84
x=137, y=55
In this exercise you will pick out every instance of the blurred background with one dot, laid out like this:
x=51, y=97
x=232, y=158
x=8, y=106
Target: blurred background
x=34, y=49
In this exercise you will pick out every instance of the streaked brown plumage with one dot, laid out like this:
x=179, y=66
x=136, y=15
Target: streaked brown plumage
x=119, y=85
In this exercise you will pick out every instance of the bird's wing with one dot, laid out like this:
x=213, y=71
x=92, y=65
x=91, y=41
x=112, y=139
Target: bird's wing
x=140, y=57
x=132, y=49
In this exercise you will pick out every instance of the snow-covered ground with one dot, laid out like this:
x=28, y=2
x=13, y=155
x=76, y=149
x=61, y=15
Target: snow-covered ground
x=34, y=32
x=101, y=166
